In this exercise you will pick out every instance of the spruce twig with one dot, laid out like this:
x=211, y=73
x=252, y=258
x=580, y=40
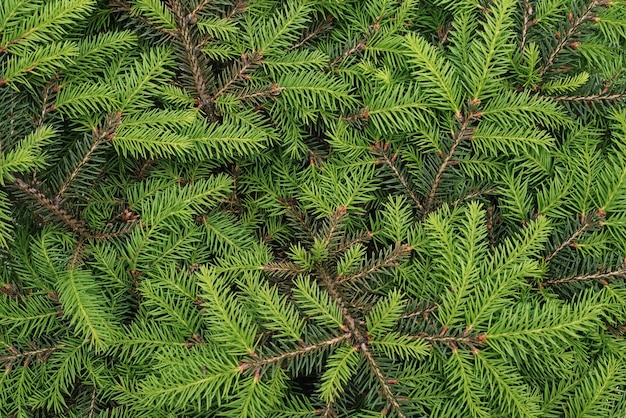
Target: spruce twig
x=459, y=136
x=195, y=60
x=581, y=229
x=382, y=150
x=601, y=276
x=567, y=36
x=382, y=380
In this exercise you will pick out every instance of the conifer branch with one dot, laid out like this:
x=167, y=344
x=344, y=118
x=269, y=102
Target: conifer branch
x=592, y=98
x=249, y=61
x=45, y=108
x=472, y=195
x=300, y=218
x=567, y=36
x=390, y=260
x=239, y=6
x=123, y=5
x=327, y=411
x=602, y=277
x=195, y=60
x=422, y=312
x=41, y=354
x=526, y=23
x=197, y=9
x=272, y=91
x=92, y=404
x=349, y=321
x=335, y=220
x=286, y=269
x=479, y=339
x=257, y=363
x=391, y=163
x=76, y=255
x=569, y=241
x=319, y=29
x=461, y=134
x=74, y=224
x=343, y=246
x=100, y=136
x=382, y=380
x=359, y=46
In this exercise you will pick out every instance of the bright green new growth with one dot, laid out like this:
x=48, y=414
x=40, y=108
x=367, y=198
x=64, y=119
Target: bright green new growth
x=312, y=208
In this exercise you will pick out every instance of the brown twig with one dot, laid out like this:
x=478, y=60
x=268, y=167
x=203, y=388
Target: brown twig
x=602, y=276
x=100, y=136
x=273, y=90
x=92, y=404
x=470, y=341
x=592, y=98
x=238, y=7
x=567, y=36
x=45, y=108
x=472, y=195
x=198, y=8
x=526, y=24
x=387, y=262
x=585, y=226
x=459, y=135
x=321, y=28
x=248, y=62
x=196, y=61
x=257, y=363
x=67, y=219
x=123, y=5
x=391, y=163
x=41, y=354
x=421, y=312
x=384, y=383
x=360, y=46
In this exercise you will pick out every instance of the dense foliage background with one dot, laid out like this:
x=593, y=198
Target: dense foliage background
x=300, y=208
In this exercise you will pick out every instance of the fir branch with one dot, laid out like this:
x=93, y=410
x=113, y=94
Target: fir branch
x=526, y=23
x=123, y=5
x=567, y=36
x=618, y=97
x=92, y=404
x=349, y=321
x=473, y=195
x=462, y=133
x=358, y=239
x=100, y=136
x=239, y=6
x=285, y=269
x=382, y=150
x=257, y=363
x=272, y=91
x=74, y=224
x=319, y=29
x=327, y=411
x=197, y=9
x=588, y=223
x=45, y=107
x=359, y=46
x=389, y=261
x=41, y=354
x=382, y=380
x=601, y=276
x=422, y=312
x=249, y=62
x=479, y=339
x=333, y=226
x=195, y=60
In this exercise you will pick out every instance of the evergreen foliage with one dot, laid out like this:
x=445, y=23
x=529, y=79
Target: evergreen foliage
x=300, y=208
